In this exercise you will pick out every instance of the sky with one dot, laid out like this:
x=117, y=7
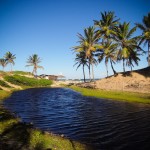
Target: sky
x=49, y=28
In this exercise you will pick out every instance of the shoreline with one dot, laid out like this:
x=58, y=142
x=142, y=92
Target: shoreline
x=113, y=95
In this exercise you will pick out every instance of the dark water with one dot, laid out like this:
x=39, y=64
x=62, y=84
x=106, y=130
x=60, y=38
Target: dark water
x=104, y=124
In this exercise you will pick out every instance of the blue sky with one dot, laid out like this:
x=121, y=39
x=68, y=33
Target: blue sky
x=49, y=28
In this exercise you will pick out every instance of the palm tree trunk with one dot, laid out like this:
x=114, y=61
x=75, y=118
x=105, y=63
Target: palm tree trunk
x=148, y=53
x=131, y=67
x=89, y=71
x=83, y=73
x=106, y=69
x=123, y=66
x=112, y=67
x=10, y=67
x=33, y=71
x=93, y=71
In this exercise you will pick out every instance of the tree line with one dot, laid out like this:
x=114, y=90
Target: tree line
x=33, y=60
x=111, y=41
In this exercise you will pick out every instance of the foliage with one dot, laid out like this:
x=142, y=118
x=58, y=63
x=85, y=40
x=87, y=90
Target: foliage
x=126, y=43
x=3, y=62
x=113, y=41
x=25, y=81
x=81, y=60
x=108, y=52
x=4, y=84
x=88, y=44
x=145, y=37
x=34, y=60
x=10, y=58
x=106, y=25
x=115, y=95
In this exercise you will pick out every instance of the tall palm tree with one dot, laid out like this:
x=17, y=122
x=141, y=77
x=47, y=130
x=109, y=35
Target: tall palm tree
x=106, y=25
x=109, y=53
x=145, y=38
x=126, y=43
x=3, y=63
x=81, y=60
x=34, y=60
x=88, y=43
x=10, y=59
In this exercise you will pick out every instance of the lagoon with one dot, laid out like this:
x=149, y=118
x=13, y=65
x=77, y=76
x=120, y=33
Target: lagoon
x=103, y=124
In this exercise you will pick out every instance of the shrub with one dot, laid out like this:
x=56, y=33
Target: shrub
x=25, y=81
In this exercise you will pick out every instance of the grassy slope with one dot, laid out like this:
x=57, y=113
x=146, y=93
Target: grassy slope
x=18, y=135
x=115, y=95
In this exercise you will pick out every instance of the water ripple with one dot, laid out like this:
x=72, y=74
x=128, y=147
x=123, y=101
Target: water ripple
x=104, y=124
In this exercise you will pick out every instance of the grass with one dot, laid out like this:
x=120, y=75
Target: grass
x=25, y=81
x=21, y=73
x=4, y=84
x=114, y=95
x=4, y=94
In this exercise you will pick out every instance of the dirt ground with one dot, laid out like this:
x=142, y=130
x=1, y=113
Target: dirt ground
x=136, y=81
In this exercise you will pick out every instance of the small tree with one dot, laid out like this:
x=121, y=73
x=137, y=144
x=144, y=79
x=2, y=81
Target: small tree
x=34, y=60
x=81, y=60
x=10, y=59
x=3, y=63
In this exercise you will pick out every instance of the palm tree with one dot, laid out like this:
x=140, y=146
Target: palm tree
x=106, y=25
x=10, y=59
x=109, y=53
x=88, y=43
x=145, y=38
x=34, y=60
x=133, y=58
x=126, y=43
x=81, y=60
x=3, y=63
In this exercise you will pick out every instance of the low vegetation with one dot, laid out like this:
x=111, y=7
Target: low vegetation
x=21, y=73
x=25, y=81
x=115, y=95
x=4, y=94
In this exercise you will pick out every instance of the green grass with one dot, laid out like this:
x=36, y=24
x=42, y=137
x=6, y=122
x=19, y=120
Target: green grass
x=21, y=73
x=114, y=95
x=4, y=94
x=25, y=81
x=4, y=84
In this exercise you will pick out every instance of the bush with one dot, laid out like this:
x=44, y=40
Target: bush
x=4, y=84
x=25, y=81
